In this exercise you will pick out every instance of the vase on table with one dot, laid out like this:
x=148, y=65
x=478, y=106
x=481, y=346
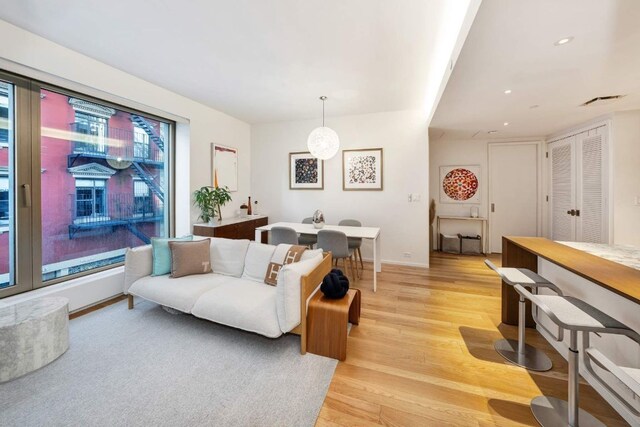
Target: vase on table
x=318, y=219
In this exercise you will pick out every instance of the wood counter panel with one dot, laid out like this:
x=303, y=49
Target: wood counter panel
x=522, y=252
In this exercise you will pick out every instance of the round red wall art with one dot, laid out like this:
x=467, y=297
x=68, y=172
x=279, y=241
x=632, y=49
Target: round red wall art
x=460, y=184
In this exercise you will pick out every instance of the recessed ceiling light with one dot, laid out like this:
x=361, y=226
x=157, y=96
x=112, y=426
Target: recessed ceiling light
x=563, y=41
x=506, y=123
x=491, y=132
x=507, y=92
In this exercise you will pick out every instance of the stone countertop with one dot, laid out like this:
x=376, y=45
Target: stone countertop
x=622, y=254
x=28, y=310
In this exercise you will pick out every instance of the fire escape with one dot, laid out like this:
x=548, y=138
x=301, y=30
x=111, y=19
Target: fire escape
x=122, y=210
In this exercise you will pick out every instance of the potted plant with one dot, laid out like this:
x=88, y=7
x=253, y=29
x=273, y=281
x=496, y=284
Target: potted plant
x=210, y=201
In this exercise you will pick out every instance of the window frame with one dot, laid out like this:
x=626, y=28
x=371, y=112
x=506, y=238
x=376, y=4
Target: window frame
x=28, y=225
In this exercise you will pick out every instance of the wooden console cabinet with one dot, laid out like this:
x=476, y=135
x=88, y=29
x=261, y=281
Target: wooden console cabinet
x=233, y=228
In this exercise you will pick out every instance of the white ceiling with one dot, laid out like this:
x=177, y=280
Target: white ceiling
x=511, y=46
x=257, y=60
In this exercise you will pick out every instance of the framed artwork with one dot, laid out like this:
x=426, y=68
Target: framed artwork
x=460, y=184
x=362, y=169
x=224, y=166
x=305, y=172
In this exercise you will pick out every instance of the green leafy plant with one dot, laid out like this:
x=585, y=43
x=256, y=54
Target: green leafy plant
x=210, y=201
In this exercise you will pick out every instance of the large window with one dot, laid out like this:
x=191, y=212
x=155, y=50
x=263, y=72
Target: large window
x=101, y=185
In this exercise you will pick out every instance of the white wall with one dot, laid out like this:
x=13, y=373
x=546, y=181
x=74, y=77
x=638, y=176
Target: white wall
x=402, y=135
x=28, y=54
x=443, y=152
x=625, y=147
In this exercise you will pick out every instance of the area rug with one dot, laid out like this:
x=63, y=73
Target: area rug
x=148, y=367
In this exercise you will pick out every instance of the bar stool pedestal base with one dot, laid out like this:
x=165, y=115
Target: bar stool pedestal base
x=532, y=359
x=552, y=412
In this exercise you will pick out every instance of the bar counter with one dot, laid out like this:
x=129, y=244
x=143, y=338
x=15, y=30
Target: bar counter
x=523, y=252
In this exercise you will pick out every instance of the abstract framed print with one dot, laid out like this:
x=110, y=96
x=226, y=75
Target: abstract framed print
x=305, y=172
x=224, y=166
x=362, y=169
x=460, y=184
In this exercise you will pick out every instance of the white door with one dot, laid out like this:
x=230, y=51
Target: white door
x=591, y=203
x=563, y=199
x=513, y=191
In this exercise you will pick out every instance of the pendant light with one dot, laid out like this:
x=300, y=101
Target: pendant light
x=323, y=142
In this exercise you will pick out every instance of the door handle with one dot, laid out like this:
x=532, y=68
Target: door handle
x=572, y=212
x=493, y=207
x=577, y=212
x=26, y=192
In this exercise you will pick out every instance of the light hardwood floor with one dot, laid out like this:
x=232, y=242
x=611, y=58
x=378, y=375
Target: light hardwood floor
x=423, y=355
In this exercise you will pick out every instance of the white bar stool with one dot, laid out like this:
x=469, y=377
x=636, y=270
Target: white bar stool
x=575, y=316
x=628, y=377
x=519, y=352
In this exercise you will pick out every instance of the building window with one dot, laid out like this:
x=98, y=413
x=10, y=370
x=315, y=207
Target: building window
x=4, y=114
x=91, y=199
x=142, y=199
x=140, y=143
x=93, y=132
x=4, y=200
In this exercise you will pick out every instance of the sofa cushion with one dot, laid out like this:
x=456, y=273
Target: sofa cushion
x=180, y=294
x=288, y=291
x=189, y=258
x=227, y=256
x=162, y=254
x=257, y=260
x=243, y=304
x=311, y=253
x=138, y=262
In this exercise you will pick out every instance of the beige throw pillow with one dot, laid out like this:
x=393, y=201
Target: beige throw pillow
x=284, y=254
x=189, y=258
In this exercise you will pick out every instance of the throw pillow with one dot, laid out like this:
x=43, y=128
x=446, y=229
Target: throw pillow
x=162, y=255
x=189, y=258
x=284, y=254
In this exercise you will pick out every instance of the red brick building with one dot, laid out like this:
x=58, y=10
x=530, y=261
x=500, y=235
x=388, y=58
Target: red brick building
x=103, y=176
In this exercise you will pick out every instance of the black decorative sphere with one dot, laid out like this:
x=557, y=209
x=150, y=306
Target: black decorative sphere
x=335, y=284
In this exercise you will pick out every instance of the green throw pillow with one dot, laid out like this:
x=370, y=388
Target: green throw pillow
x=162, y=254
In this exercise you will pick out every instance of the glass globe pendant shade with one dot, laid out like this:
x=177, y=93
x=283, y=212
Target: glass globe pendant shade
x=323, y=143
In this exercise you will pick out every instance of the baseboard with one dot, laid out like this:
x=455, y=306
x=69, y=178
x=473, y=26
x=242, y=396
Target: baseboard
x=403, y=263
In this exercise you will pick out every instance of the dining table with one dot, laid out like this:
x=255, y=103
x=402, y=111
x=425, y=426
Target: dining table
x=370, y=233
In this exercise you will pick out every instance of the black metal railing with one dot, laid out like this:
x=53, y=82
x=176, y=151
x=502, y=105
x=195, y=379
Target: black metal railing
x=117, y=144
x=114, y=209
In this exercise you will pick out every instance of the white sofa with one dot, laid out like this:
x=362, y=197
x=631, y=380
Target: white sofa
x=234, y=294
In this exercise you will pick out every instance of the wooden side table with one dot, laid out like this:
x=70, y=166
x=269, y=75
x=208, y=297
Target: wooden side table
x=327, y=321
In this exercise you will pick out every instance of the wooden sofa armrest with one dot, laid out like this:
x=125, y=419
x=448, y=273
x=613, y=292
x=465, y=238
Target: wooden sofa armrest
x=308, y=286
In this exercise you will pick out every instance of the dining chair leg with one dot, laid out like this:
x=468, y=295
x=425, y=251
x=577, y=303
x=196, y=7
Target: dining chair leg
x=360, y=256
x=354, y=273
x=354, y=259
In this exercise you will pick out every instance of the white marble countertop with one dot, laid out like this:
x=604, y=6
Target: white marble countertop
x=15, y=314
x=229, y=221
x=622, y=254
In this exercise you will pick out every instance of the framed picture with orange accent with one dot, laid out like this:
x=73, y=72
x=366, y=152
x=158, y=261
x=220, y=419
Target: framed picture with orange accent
x=460, y=184
x=305, y=172
x=224, y=167
x=362, y=169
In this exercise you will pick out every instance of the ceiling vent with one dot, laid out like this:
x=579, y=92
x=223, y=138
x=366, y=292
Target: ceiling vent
x=602, y=100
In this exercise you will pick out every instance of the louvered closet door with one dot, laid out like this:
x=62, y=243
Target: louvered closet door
x=591, y=192
x=563, y=224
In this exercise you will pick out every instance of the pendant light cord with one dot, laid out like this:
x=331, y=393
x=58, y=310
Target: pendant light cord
x=323, y=113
